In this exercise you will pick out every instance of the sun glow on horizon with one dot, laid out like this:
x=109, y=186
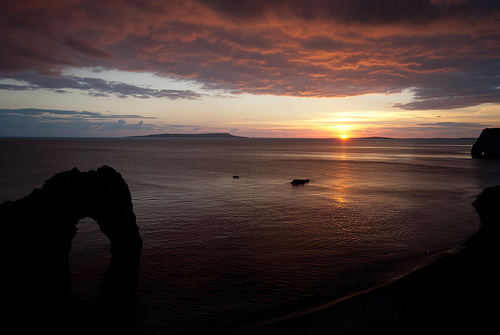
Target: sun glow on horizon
x=344, y=136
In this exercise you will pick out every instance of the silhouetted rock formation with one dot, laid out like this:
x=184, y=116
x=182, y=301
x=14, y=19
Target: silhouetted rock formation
x=487, y=205
x=299, y=181
x=37, y=230
x=487, y=145
x=36, y=233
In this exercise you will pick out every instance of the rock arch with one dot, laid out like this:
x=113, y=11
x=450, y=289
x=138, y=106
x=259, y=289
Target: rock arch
x=37, y=230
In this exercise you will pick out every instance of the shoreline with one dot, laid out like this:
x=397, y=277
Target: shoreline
x=455, y=292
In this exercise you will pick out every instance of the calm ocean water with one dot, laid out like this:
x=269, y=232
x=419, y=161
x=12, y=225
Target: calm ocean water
x=221, y=253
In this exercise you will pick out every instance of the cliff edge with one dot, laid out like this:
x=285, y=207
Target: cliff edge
x=487, y=145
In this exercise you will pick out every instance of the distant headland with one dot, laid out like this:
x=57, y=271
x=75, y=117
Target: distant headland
x=205, y=135
x=373, y=138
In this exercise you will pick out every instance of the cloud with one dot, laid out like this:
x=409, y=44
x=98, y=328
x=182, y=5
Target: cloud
x=54, y=113
x=474, y=84
x=456, y=125
x=54, y=122
x=354, y=11
x=92, y=86
x=442, y=51
x=87, y=48
x=50, y=122
x=119, y=125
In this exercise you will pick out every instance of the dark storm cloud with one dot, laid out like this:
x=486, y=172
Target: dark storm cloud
x=87, y=48
x=474, y=84
x=358, y=11
x=355, y=11
x=443, y=51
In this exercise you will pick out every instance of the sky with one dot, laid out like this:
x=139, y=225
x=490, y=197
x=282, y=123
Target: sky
x=281, y=68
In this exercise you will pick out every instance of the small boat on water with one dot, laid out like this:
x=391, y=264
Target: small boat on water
x=299, y=181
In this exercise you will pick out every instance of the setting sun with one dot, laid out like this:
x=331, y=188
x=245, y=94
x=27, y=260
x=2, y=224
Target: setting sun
x=344, y=136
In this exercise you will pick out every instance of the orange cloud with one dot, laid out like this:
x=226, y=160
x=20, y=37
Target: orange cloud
x=446, y=52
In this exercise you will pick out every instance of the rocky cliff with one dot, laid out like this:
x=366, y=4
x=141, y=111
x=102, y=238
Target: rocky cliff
x=487, y=145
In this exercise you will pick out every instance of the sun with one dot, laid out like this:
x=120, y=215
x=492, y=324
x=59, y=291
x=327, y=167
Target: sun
x=343, y=136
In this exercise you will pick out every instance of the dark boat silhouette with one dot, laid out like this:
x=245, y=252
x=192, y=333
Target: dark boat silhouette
x=299, y=181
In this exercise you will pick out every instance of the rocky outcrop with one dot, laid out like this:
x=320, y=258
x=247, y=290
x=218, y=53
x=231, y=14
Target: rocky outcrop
x=299, y=181
x=487, y=205
x=36, y=231
x=487, y=145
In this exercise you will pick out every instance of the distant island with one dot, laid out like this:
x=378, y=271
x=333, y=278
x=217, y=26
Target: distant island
x=206, y=135
x=373, y=138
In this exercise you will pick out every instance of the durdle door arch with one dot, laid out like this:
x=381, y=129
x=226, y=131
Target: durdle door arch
x=37, y=230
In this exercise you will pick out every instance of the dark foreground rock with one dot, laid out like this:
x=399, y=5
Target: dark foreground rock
x=36, y=233
x=487, y=145
x=299, y=181
x=38, y=229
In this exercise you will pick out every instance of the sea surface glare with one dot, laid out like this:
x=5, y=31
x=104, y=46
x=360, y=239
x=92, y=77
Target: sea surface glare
x=223, y=253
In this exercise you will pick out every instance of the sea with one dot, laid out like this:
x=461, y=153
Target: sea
x=223, y=253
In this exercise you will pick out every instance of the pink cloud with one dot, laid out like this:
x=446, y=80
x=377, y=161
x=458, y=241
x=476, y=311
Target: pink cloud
x=283, y=47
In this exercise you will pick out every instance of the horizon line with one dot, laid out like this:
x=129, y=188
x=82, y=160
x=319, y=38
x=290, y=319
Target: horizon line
x=152, y=136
